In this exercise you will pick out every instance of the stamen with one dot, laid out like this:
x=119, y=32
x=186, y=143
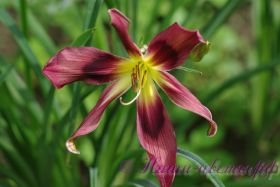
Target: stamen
x=133, y=85
x=133, y=80
x=130, y=102
x=138, y=69
x=138, y=79
x=143, y=78
x=189, y=70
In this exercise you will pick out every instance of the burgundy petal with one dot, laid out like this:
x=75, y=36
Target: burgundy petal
x=115, y=90
x=121, y=24
x=171, y=47
x=182, y=97
x=81, y=63
x=156, y=134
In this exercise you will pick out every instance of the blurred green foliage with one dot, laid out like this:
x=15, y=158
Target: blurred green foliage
x=240, y=84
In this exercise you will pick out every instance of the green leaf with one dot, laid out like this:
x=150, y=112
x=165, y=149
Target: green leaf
x=265, y=38
x=175, y=4
x=110, y=3
x=92, y=13
x=240, y=78
x=220, y=17
x=12, y=175
x=143, y=183
x=41, y=34
x=23, y=44
x=18, y=164
x=21, y=94
x=74, y=106
x=4, y=72
x=152, y=19
x=93, y=177
x=199, y=162
x=255, y=183
x=134, y=18
x=83, y=38
x=23, y=16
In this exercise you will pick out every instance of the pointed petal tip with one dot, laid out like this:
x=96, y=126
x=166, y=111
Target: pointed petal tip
x=115, y=12
x=121, y=23
x=112, y=9
x=49, y=70
x=87, y=64
x=48, y=74
x=72, y=147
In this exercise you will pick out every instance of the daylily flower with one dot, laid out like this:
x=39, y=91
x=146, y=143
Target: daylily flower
x=140, y=71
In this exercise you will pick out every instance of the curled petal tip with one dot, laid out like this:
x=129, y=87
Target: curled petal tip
x=200, y=50
x=72, y=147
x=212, y=130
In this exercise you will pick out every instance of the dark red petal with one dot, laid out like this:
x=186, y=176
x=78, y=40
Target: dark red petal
x=121, y=24
x=81, y=63
x=182, y=97
x=156, y=134
x=115, y=90
x=171, y=47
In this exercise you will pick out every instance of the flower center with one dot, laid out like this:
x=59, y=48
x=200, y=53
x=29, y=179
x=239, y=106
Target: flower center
x=138, y=76
x=138, y=80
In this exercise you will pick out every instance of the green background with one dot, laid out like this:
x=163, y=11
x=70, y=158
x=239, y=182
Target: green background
x=239, y=84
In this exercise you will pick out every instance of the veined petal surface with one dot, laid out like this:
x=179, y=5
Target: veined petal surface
x=91, y=122
x=156, y=134
x=121, y=23
x=182, y=97
x=170, y=48
x=88, y=64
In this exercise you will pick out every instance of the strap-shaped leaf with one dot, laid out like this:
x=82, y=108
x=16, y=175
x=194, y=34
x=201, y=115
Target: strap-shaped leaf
x=143, y=183
x=199, y=162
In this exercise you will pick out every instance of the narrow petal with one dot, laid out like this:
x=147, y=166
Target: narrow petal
x=182, y=97
x=91, y=122
x=156, y=134
x=171, y=47
x=81, y=63
x=121, y=24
